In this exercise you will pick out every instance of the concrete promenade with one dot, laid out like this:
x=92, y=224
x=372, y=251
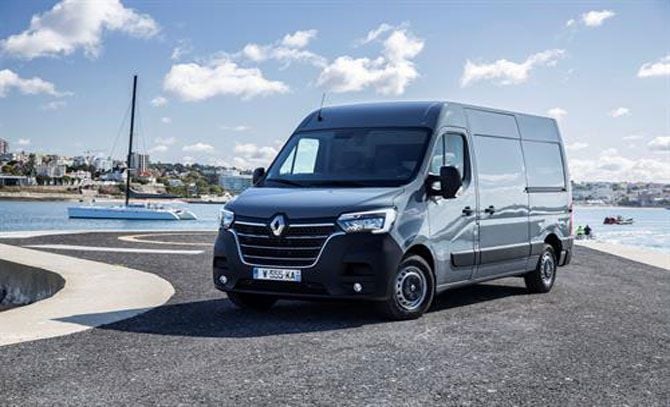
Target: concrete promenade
x=601, y=337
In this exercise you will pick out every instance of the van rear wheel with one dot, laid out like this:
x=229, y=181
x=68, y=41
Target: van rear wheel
x=413, y=290
x=541, y=280
x=256, y=302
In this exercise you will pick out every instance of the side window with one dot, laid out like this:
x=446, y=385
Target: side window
x=449, y=150
x=437, y=157
x=455, y=152
x=500, y=164
x=302, y=158
x=544, y=164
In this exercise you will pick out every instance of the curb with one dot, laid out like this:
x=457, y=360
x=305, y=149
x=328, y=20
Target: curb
x=94, y=294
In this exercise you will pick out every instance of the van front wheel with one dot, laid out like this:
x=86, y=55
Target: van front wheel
x=542, y=278
x=412, y=292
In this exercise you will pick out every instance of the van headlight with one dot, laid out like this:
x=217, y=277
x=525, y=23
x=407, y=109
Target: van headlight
x=377, y=221
x=227, y=218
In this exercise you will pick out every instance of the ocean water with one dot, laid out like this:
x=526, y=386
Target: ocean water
x=651, y=229
x=33, y=215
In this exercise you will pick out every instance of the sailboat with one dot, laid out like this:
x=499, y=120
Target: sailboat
x=130, y=211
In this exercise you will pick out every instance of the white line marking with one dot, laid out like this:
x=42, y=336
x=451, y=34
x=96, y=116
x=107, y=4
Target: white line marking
x=112, y=249
x=26, y=234
x=94, y=294
x=141, y=239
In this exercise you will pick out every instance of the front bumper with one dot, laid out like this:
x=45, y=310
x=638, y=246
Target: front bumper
x=365, y=258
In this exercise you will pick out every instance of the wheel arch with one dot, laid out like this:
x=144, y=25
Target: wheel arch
x=424, y=252
x=555, y=243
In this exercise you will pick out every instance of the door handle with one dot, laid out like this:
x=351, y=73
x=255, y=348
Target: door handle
x=467, y=211
x=490, y=210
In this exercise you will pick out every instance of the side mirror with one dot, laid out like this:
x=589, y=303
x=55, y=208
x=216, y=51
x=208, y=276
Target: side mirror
x=450, y=181
x=258, y=174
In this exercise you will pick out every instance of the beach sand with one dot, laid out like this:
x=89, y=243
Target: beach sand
x=650, y=257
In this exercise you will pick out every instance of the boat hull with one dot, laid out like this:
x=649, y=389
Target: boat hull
x=131, y=213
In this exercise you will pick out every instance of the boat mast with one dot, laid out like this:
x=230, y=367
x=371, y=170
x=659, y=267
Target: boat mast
x=130, y=143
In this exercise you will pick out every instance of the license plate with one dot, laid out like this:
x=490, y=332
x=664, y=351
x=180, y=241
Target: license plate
x=277, y=274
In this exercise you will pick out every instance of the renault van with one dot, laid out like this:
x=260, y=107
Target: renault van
x=394, y=203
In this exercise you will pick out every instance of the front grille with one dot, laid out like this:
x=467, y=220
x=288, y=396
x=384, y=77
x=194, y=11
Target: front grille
x=298, y=246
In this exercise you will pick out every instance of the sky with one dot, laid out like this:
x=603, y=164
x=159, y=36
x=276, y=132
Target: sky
x=226, y=83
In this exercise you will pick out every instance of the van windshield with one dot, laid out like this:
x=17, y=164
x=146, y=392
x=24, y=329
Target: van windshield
x=361, y=157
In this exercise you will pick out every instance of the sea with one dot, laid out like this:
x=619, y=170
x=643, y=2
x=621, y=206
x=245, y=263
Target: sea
x=650, y=230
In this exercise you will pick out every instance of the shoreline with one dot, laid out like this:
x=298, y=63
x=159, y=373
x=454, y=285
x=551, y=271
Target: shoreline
x=634, y=253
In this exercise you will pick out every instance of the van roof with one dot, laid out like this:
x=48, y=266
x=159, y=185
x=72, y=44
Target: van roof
x=387, y=114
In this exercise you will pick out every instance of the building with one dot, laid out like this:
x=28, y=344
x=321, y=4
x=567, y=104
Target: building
x=139, y=162
x=16, y=180
x=102, y=164
x=233, y=181
x=51, y=170
x=4, y=146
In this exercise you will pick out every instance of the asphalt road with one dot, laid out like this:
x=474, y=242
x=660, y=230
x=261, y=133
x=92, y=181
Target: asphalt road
x=601, y=337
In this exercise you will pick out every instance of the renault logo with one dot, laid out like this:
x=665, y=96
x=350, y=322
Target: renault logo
x=277, y=225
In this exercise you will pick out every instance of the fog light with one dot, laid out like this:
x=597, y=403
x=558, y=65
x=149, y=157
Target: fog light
x=358, y=287
x=223, y=280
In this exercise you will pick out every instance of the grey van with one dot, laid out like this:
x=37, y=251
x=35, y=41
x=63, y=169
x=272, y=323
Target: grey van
x=395, y=203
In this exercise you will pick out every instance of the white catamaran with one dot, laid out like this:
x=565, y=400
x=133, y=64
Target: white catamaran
x=131, y=211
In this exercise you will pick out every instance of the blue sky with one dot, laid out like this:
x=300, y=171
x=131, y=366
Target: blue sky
x=226, y=83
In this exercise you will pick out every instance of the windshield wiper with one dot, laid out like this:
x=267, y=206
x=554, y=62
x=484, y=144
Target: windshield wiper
x=285, y=182
x=339, y=183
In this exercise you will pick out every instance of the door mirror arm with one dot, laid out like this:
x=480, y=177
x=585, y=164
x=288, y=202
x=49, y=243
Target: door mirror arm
x=258, y=175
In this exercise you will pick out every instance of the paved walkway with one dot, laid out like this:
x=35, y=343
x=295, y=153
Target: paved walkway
x=601, y=337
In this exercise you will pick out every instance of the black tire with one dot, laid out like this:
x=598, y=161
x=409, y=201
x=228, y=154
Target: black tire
x=405, y=301
x=542, y=279
x=256, y=302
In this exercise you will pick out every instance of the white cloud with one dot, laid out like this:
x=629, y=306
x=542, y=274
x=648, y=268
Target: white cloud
x=194, y=82
x=287, y=50
x=576, y=146
x=166, y=120
x=75, y=24
x=658, y=68
x=168, y=141
x=632, y=137
x=159, y=148
x=54, y=105
x=199, y=148
x=10, y=80
x=187, y=160
x=183, y=48
x=505, y=72
x=571, y=22
x=611, y=166
x=159, y=101
x=619, y=112
x=240, y=127
x=661, y=143
x=557, y=113
x=23, y=142
x=299, y=39
x=376, y=33
x=388, y=74
x=250, y=155
x=596, y=18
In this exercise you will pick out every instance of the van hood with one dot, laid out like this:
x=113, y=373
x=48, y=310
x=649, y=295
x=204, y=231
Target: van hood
x=303, y=203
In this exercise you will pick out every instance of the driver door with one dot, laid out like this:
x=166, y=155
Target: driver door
x=452, y=222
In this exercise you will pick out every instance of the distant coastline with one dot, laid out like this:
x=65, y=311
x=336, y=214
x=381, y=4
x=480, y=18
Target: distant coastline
x=23, y=195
